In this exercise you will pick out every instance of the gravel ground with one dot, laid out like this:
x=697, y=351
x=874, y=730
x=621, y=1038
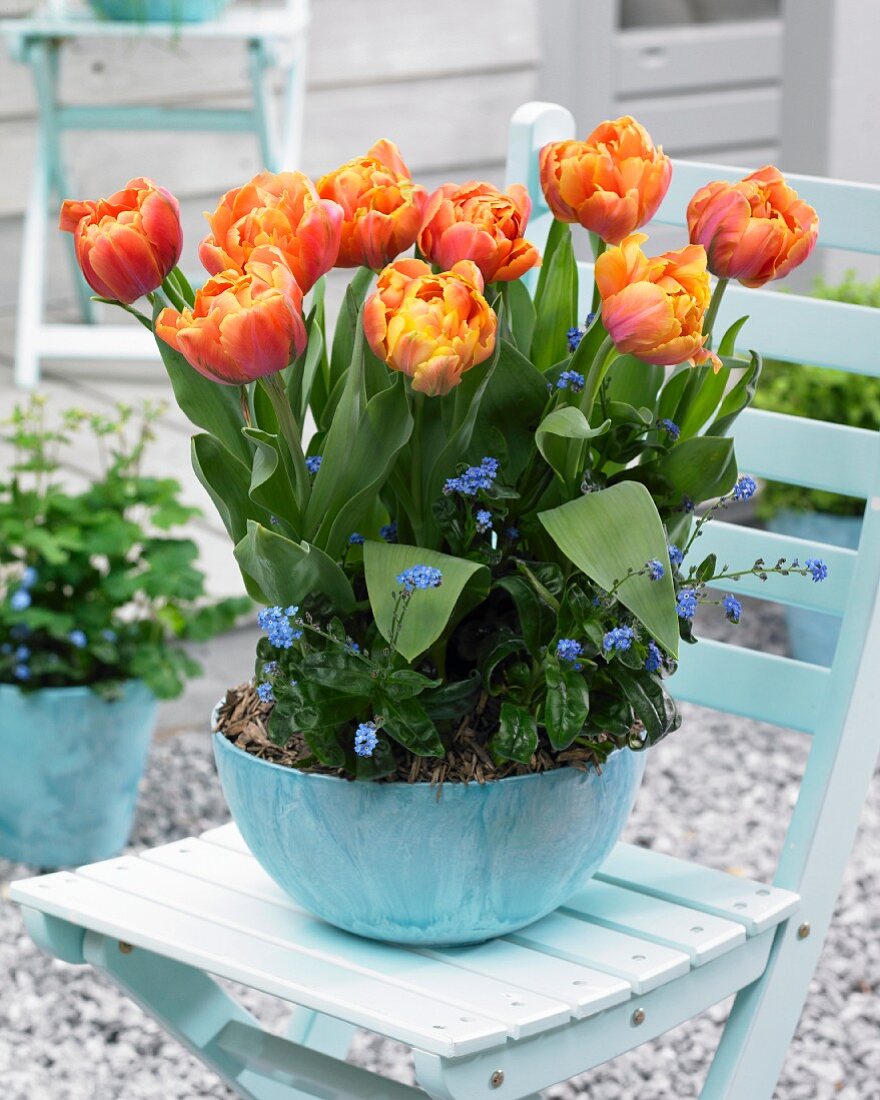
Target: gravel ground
x=720, y=791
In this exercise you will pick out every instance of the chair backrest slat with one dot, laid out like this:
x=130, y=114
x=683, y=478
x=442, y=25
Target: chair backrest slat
x=763, y=686
x=739, y=546
x=813, y=453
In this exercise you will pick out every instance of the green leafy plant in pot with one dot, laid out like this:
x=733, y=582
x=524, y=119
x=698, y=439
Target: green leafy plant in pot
x=809, y=513
x=96, y=595
x=478, y=565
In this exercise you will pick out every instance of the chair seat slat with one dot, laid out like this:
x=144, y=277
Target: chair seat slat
x=643, y=963
x=701, y=936
x=314, y=983
x=739, y=546
x=763, y=686
x=756, y=906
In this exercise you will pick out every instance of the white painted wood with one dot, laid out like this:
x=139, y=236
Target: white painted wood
x=584, y=990
x=262, y=965
x=710, y=55
x=756, y=906
x=226, y=836
x=700, y=935
x=125, y=341
x=643, y=964
x=523, y=1013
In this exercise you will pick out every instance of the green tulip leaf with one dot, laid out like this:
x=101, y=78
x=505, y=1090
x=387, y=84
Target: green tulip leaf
x=556, y=305
x=427, y=612
x=614, y=530
x=700, y=468
x=560, y=426
x=288, y=571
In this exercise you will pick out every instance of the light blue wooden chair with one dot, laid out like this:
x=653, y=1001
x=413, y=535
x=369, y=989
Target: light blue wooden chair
x=275, y=40
x=647, y=945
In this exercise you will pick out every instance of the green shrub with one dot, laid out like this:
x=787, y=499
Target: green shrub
x=93, y=590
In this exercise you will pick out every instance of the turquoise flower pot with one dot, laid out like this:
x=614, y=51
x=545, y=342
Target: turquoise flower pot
x=812, y=635
x=70, y=764
x=394, y=862
x=160, y=11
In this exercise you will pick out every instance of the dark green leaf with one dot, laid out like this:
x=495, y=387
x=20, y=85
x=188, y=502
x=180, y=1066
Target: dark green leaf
x=408, y=723
x=566, y=705
x=288, y=572
x=517, y=736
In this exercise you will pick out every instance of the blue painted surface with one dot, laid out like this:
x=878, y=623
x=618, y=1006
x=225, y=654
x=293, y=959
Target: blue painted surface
x=70, y=764
x=394, y=862
x=812, y=635
x=160, y=11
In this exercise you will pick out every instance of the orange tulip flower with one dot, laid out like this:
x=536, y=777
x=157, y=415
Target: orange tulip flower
x=283, y=211
x=431, y=327
x=653, y=307
x=611, y=184
x=243, y=325
x=382, y=206
x=478, y=222
x=127, y=244
x=754, y=230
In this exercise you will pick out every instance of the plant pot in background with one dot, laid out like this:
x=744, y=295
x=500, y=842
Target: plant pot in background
x=395, y=862
x=812, y=635
x=70, y=764
x=160, y=11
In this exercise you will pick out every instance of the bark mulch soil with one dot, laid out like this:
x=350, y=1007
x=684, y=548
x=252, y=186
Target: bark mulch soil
x=243, y=718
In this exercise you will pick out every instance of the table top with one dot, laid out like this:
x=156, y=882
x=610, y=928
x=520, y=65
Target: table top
x=645, y=920
x=255, y=20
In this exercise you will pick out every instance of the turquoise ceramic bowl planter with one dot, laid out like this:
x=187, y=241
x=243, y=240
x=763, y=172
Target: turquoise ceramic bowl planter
x=160, y=11
x=812, y=635
x=70, y=764
x=394, y=862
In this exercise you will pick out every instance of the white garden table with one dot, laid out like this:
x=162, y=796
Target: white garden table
x=275, y=36
x=649, y=943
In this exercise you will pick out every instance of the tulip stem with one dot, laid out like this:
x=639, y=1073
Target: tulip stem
x=711, y=312
x=274, y=388
x=595, y=376
x=599, y=247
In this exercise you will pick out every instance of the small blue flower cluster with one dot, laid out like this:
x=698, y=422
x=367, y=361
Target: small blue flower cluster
x=620, y=637
x=265, y=692
x=745, y=488
x=570, y=380
x=567, y=649
x=512, y=533
x=20, y=600
x=419, y=576
x=484, y=521
x=670, y=427
x=473, y=479
x=78, y=638
x=20, y=670
x=270, y=668
x=313, y=463
x=655, y=569
x=817, y=568
x=676, y=557
x=356, y=538
x=389, y=531
x=732, y=608
x=276, y=624
x=654, y=659
x=108, y=635
x=574, y=337
x=365, y=739
x=686, y=604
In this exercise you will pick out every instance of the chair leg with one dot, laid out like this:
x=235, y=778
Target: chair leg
x=294, y=107
x=319, y=1032
x=31, y=286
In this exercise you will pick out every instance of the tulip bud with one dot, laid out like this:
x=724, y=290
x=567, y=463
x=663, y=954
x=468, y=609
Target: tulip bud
x=754, y=230
x=480, y=223
x=280, y=210
x=611, y=184
x=653, y=307
x=382, y=206
x=431, y=327
x=125, y=245
x=243, y=325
